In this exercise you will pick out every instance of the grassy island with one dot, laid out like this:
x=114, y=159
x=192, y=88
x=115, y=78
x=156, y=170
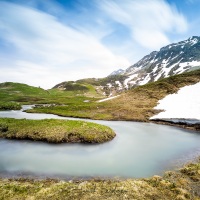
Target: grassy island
x=55, y=131
x=180, y=185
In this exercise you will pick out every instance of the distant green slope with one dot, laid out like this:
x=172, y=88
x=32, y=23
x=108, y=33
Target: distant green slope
x=21, y=88
x=19, y=92
x=84, y=87
x=96, y=87
x=25, y=94
x=103, y=81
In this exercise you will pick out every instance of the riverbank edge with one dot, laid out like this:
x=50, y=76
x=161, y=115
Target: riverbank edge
x=181, y=184
x=193, y=127
x=184, y=125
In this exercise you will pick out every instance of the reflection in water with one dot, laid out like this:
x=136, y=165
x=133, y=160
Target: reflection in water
x=139, y=150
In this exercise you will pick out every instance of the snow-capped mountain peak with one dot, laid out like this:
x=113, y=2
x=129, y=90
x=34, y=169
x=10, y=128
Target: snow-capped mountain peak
x=117, y=72
x=172, y=59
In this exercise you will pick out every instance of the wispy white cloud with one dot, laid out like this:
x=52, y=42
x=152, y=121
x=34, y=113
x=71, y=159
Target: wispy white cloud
x=150, y=21
x=48, y=44
x=49, y=51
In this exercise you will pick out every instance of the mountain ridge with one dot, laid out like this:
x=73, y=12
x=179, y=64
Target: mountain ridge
x=172, y=59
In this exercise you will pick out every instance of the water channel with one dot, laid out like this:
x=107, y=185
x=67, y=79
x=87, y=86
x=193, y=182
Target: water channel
x=139, y=150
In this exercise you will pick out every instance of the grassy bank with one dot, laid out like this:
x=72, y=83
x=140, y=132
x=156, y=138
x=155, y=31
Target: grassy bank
x=55, y=131
x=90, y=110
x=181, y=185
x=25, y=94
x=9, y=106
x=136, y=104
x=195, y=127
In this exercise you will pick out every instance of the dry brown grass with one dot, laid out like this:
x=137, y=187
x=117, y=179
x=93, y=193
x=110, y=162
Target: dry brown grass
x=138, y=103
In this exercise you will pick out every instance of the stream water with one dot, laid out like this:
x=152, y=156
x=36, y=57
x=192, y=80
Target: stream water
x=139, y=150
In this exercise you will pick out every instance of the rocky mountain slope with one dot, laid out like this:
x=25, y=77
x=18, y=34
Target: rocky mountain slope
x=172, y=59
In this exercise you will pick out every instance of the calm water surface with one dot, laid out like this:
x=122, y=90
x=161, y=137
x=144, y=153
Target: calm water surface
x=139, y=150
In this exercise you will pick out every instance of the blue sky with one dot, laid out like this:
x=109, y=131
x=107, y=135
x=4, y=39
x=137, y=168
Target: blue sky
x=44, y=42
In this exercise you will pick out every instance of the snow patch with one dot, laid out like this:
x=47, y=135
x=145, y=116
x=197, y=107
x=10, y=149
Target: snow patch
x=158, y=76
x=167, y=70
x=146, y=80
x=193, y=41
x=126, y=81
x=193, y=64
x=185, y=64
x=155, y=68
x=109, y=85
x=119, y=85
x=185, y=105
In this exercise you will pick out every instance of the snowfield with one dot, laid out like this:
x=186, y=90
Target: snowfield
x=181, y=107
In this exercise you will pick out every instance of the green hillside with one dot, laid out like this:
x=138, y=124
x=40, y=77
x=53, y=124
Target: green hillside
x=83, y=87
x=136, y=104
x=102, y=81
x=93, y=87
x=25, y=94
x=19, y=92
x=71, y=92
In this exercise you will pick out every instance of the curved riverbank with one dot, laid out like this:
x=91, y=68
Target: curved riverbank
x=106, y=160
x=184, y=125
x=181, y=185
x=55, y=131
x=44, y=109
